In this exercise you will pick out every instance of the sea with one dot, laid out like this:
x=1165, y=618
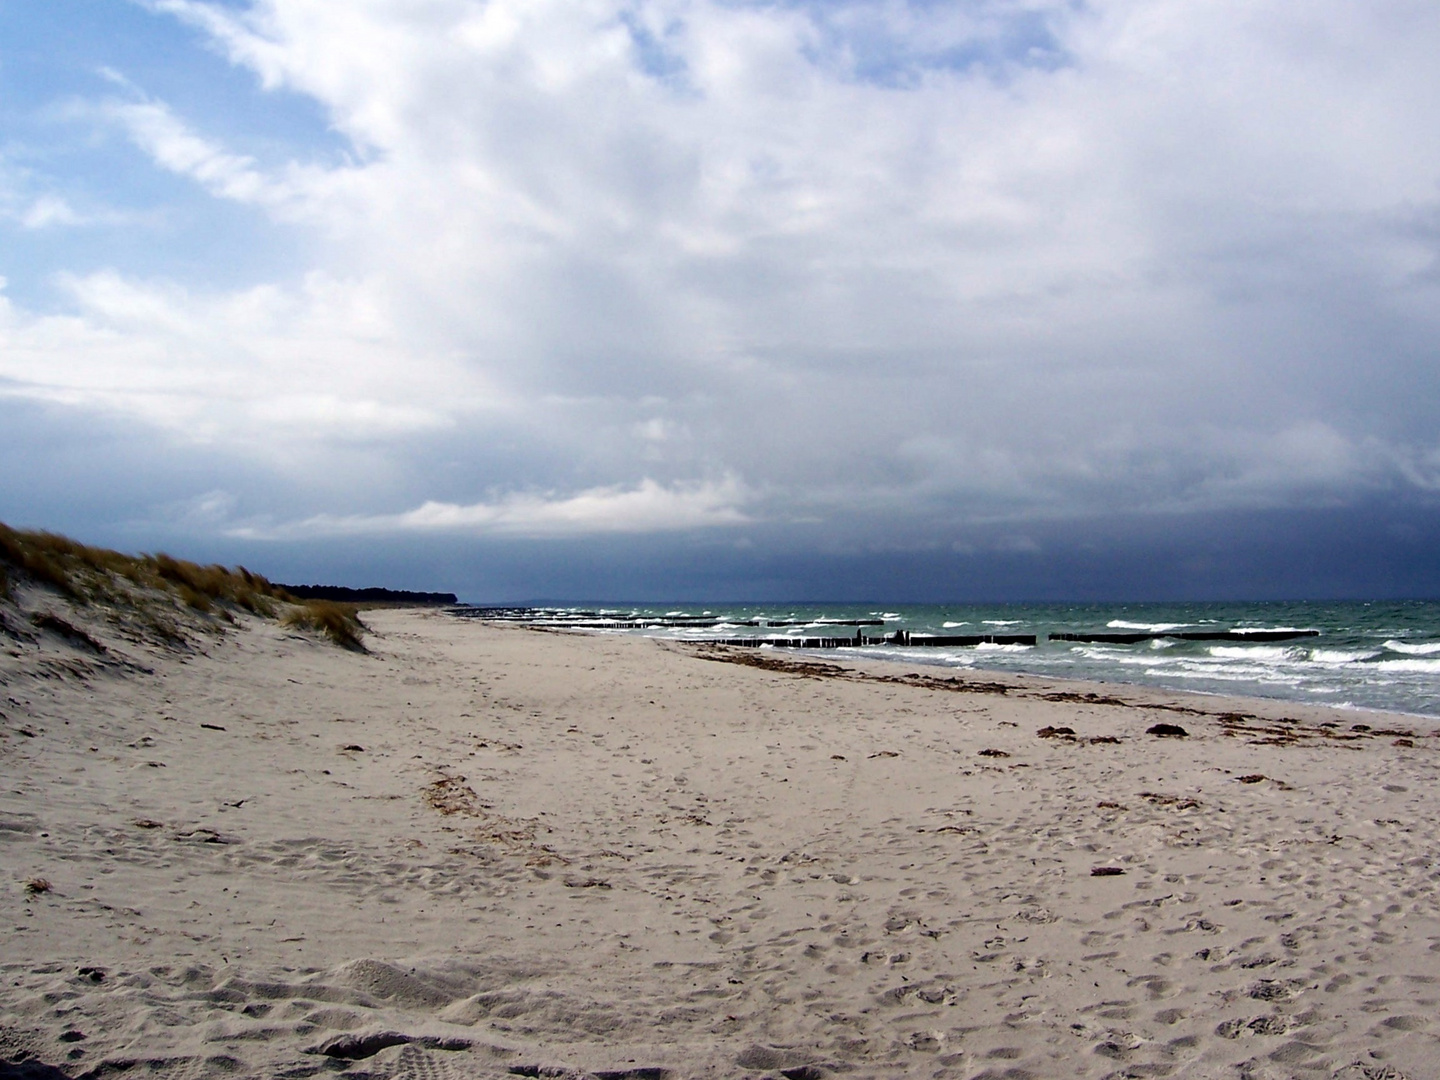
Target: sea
x=1363, y=655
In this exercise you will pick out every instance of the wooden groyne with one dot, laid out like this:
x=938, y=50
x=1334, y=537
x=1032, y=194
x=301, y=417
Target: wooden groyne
x=902, y=638
x=805, y=622
x=783, y=642
x=905, y=637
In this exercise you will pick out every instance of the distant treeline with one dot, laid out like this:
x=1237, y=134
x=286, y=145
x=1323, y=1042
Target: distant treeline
x=343, y=595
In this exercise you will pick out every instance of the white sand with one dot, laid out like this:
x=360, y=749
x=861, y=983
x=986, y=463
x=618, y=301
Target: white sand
x=563, y=855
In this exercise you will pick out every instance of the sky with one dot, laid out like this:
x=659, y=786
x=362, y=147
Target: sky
x=722, y=299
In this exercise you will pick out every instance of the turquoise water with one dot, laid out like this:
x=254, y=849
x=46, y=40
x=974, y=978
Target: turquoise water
x=1381, y=655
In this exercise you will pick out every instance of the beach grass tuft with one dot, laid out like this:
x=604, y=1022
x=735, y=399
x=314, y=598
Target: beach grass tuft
x=339, y=622
x=159, y=594
x=38, y=555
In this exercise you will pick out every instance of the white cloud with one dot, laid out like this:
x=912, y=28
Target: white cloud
x=645, y=508
x=158, y=132
x=48, y=210
x=294, y=192
x=262, y=372
x=32, y=209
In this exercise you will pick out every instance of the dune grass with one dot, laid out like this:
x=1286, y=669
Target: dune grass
x=339, y=622
x=87, y=575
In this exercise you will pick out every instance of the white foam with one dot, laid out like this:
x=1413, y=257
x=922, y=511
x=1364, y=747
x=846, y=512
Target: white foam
x=1154, y=628
x=952, y=625
x=989, y=646
x=1003, y=622
x=1253, y=653
x=1119, y=656
x=1340, y=656
x=1418, y=667
x=1237, y=673
x=1414, y=648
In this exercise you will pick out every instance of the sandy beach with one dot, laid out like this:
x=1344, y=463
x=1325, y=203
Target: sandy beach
x=485, y=851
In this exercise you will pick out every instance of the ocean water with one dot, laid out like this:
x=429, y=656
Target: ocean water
x=1380, y=655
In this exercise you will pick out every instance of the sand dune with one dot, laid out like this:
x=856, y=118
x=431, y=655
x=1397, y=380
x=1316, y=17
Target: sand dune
x=485, y=851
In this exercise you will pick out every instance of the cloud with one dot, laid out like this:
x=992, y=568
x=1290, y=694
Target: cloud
x=646, y=508
x=292, y=192
x=48, y=210
x=158, y=132
x=258, y=370
x=904, y=267
x=24, y=202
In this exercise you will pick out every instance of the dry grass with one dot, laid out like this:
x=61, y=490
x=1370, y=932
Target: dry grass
x=339, y=622
x=140, y=585
x=86, y=574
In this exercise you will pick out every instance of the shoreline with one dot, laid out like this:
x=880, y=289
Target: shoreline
x=1021, y=680
x=486, y=851
x=1374, y=656
x=1233, y=702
